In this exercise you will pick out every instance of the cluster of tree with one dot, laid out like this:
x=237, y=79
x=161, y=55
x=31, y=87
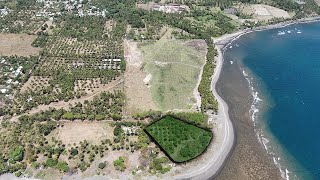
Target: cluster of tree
x=119, y=164
x=147, y=114
x=208, y=101
x=87, y=27
x=41, y=40
x=20, y=21
x=68, y=47
x=171, y=133
x=59, y=165
x=196, y=118
x=157, y=165
x=22, y=142
x=106, y=105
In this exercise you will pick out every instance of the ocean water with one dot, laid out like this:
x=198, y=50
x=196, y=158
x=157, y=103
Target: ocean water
x=282, y=67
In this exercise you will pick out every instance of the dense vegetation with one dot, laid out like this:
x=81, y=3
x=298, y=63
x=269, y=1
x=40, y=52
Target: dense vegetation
x=208, y=100
x=181, y=141
x=196, y=118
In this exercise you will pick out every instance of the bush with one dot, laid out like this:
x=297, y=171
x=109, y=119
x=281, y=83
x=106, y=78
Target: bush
x=119, y=164
x=74, y=152
x=62, y=166
x=16, y=154
x=34, y=164
x=51, y=162
x=102, y=165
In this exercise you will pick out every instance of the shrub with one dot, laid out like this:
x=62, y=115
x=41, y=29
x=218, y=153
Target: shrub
x=16, y=154
x=119, y=164
x=62, y=166
x=51, y=162
x=102, y=165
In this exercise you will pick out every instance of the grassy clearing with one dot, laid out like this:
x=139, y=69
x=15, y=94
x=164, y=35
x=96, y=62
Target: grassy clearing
x=181, y=141
x=175, y=67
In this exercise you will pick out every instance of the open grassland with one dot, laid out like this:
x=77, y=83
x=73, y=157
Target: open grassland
x=174, y=66
x=180, y=140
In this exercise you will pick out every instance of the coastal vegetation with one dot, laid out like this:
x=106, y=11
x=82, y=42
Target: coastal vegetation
x=207, y=98
x=181, y=141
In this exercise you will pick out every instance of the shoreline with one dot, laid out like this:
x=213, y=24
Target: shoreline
x=215, y=165
x=220, y=44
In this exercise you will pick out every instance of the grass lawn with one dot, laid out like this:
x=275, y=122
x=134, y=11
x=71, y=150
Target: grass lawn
x=175, y=68
x=180, y=140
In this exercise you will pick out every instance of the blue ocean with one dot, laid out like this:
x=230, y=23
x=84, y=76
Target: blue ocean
x=284, y=66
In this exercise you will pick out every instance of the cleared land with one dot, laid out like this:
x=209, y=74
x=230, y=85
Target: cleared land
x=181, y=141
x=138, y=94
x=174, y=66
x=263, y=12
x=93, y=132
x=17, y=44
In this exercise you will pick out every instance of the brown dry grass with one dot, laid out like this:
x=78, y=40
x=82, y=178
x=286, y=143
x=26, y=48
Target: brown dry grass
x=17, y=44
x=74, y=132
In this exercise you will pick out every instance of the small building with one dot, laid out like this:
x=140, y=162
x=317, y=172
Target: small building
x=3, y=91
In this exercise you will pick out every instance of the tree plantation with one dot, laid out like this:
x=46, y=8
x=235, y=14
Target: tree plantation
x=180, y=140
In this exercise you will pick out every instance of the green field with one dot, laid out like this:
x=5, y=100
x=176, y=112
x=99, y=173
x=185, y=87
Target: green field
x=180, y=140
x=175, y=68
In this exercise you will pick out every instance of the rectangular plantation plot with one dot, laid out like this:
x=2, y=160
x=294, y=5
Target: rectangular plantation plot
x=181, y=141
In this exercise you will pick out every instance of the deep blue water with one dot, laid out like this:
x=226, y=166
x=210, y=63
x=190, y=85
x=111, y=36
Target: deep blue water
x=286, y=62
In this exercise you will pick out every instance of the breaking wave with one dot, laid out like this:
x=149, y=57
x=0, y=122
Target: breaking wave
x=254, y=113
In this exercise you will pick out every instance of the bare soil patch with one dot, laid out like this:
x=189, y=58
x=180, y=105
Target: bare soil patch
x=17, y=44
x=137, y=91
x=74, y=132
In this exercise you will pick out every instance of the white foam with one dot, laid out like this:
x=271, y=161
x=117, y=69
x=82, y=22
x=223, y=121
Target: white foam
x=231, y=62
x=283, y=173
x=260, y=136
x=265, y=142
x=287, y=174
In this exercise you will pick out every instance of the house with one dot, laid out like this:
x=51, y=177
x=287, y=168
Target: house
x=3, y=91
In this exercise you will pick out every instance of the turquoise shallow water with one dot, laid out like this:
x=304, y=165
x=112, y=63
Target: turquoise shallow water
x=285, y=64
